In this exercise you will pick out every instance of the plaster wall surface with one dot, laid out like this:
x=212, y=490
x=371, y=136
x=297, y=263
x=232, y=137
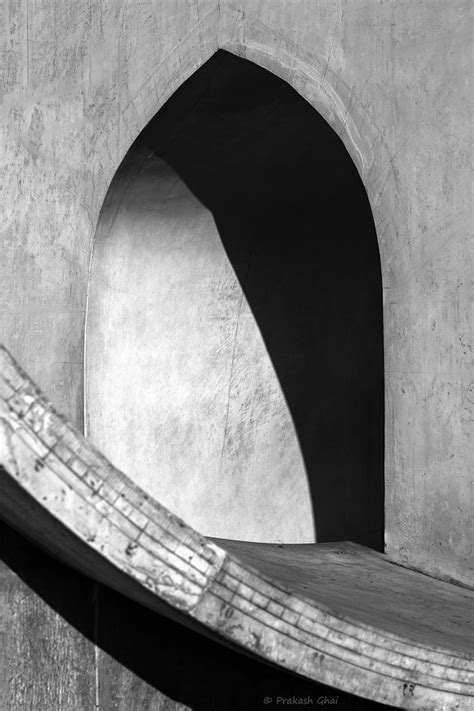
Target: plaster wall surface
x=181, y=391
x=393, y=79
x=79, y=81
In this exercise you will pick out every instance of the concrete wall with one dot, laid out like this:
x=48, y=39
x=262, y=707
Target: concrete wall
x=181, y=391
x=80, y=82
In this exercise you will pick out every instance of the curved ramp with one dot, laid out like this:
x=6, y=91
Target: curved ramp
x=336, y=613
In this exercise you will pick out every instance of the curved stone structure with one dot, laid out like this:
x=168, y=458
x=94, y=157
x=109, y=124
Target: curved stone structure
x=353, y=620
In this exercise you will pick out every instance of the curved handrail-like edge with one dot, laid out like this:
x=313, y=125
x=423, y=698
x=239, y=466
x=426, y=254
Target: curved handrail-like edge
x=169, y=566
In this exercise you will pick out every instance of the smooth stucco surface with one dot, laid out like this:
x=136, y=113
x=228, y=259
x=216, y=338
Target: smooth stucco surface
x=181, y=392
x=81, y=81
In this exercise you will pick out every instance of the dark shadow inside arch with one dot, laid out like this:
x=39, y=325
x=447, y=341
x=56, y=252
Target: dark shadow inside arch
x=294, y=218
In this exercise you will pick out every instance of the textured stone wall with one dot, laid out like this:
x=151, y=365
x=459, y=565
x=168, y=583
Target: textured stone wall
x=392, y=79
x=162, y=355
x=81, y=80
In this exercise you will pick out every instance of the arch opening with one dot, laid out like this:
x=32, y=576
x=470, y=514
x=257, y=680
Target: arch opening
x=234, y=340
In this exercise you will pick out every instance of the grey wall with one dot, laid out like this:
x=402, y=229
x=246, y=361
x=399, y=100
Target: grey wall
x=181, y=392
x=81, y=80
x=80, y=84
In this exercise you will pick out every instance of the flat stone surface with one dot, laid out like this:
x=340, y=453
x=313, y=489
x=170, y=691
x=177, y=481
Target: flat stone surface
x=365, y=586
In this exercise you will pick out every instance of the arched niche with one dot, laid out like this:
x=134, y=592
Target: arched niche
x=234, y=360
